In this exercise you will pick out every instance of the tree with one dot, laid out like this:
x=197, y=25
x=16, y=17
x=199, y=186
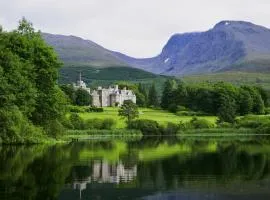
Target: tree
x=265, y=95
x=28, y=76
x=168, y=94
x=152, y=96
x=70, y=92
x=140, y=99
x=82, y=98
x=143, y=91
x=258, y=103
x=129, y=110
x=181, y=94
x=226, y=111
x=245, y=102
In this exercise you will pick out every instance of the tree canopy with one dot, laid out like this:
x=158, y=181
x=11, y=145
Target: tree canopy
x=28, y=76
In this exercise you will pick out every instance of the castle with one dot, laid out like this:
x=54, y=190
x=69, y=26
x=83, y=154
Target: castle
x=81, y=85
x=107, y=97
x=112, y=96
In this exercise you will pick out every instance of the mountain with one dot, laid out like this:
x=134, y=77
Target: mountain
x=228, y=46
x=73, y=50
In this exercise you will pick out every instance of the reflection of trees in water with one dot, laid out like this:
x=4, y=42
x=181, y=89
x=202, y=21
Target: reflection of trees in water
x=39, y=172
x=223, y=166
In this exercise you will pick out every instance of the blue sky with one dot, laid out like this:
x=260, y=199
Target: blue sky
x=139, y=28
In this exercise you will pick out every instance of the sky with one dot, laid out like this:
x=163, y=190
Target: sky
x=138, y=28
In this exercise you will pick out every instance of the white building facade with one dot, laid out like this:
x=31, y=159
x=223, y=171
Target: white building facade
x=112, y=96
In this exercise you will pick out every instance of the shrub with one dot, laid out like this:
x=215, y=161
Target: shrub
x=200, y=123
x=95, y=109
x=77, y=121
x=147, y=127
x=267, y=111
x=182, y=108
x=94, y=124
x=263, y=129
x=251, y=121
x=100, y=124
x=171, y=129
x=67, y=123
x=76, y=109
x=54, y=128
x=108, y=124
x=172, y=108
x=225, y=125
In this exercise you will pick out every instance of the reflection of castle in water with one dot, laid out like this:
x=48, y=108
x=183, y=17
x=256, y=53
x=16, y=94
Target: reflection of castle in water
x=113, y=173
x=104, y=172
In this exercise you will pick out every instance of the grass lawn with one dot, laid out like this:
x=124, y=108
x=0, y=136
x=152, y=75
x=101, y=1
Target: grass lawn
x=160, y=116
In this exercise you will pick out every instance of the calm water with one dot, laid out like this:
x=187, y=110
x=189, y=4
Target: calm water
x=147, y=169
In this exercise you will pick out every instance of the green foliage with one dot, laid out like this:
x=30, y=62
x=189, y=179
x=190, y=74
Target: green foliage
x=83, y=98
x=69, y=92
x=153, y=100
x=171, y=129
x=129, y=110
x=147, y=127
x=95, y=109
x=28, y=71
x=77, y=122
x=168, y=94
x=100, y=124
x=200, y=123
x=252, y=121
x=245, y=102
x=16, y=128
x=220, y=99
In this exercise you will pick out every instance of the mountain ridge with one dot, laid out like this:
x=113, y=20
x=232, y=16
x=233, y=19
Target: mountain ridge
x=228, y=46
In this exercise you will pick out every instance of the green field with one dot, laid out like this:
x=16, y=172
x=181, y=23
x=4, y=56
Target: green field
x=160, y=116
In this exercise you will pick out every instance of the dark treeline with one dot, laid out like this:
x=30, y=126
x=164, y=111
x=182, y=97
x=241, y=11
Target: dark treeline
x=221, y=99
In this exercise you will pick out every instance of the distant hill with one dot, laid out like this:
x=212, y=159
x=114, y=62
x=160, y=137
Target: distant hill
x=228, y=46
x=73, y=50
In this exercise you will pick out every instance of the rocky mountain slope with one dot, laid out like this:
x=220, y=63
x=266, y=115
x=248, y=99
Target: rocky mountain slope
x=228, y=46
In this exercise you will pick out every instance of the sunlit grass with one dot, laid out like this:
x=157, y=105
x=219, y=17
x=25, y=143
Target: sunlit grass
x=162, y=117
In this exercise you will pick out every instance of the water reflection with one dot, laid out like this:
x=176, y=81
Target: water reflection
x=152, y=168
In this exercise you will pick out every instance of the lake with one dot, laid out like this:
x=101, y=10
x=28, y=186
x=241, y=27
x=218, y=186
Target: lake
x=149, y=168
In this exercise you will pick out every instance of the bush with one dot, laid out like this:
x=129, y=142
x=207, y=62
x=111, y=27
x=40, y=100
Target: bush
x=263, y=129
x=76, y=109
x=182, y=108
x=100, y=124
x=95, y=109
x=108, y=124
x=267, y=111
x=77, y=122
x=171, y=129
x=94, y=124
x=16, y=128
x=54, y=128
x=67, y=123
x=172, y=108
x=225, y=125
x=147, y=127
x=200, y=123
x=251, y=121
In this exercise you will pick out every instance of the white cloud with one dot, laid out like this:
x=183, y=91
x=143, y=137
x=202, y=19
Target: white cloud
x=135, y=27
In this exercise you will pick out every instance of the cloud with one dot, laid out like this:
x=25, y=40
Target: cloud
x=136, y=27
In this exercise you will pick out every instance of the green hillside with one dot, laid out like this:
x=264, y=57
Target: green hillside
x=237, y=78
x=110, y=75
